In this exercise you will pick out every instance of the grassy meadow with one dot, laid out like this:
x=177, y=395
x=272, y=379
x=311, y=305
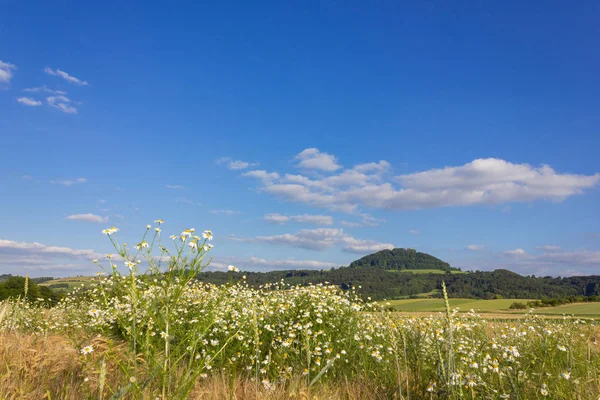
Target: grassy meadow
x=496, y=306
x=161, y=334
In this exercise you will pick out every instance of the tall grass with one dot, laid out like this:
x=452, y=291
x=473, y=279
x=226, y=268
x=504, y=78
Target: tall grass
x=161, y=334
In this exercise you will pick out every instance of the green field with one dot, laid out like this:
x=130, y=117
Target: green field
x=425, y=271
x=580, y=309
x=500, y=306
x=71, y=283
x=434, y=305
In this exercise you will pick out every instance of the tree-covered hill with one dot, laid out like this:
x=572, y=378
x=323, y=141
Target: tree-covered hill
x=402, y=259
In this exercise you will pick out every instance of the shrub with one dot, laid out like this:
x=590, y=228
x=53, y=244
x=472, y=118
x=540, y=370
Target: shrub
x=518, y=306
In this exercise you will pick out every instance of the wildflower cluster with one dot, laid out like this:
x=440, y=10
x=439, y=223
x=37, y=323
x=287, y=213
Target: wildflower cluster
x=181, y=330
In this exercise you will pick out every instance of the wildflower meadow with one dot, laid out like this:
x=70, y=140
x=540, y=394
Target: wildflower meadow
x=148, y=329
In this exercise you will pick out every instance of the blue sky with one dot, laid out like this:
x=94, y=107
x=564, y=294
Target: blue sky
x=304, y=134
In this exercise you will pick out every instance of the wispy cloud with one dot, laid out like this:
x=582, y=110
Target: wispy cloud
x=68, y=182
x=45, y=89
x=36, y=257
x=27, y=177
x=65, y=76
x=414, y=232
x=185, y=200
x=225, y=212
x=549, y=248
x=174, y=186
x=276, y=218
x=480, y=182
x=235, y=164
x=475, y=247
x=555, y=261
x=89, y=217
x=28, y=101
x=320, y=239
x=6, y=71
x=261, y=264
x=61, y=103
x=35, y=248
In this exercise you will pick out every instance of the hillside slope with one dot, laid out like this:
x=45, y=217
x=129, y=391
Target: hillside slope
x=402, y=259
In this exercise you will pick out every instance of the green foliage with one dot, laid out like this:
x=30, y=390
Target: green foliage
x=14, y=287
x=518, y=306
x=379, y=283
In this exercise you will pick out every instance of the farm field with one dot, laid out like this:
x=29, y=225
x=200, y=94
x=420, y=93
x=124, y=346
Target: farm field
x=499, y=306
x=578, y=309
x=66, y=285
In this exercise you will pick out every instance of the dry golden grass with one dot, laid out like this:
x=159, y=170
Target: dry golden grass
x=51, y=367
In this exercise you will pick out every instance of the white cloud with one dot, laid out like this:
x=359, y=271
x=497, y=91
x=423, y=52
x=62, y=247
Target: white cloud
x=379, y=167
x=573, y=258
x=414, y=232
x=256, y=263
x=61, y=103
x=45, y=89
x=480, y=182
x=226, y=212
x=6, y=71
x=37, y=257
x=35, y=248
x=235, y=164
x=520, y=253
x=475, y=247
x=365, y=220
x=276, y=218
x=313, y=219
x=556, y=262
x=309, y=264
x=185, y=200
x=239, y=164
x=28, y=101
x=68, y=182
x=320, y=239
x=88, y=218
x=303, y=219
x=314, y=159
x=351, y=224
x=27, y=177
x=265, y=176
x=549, y=248
x=174, y=186
x=65, y=76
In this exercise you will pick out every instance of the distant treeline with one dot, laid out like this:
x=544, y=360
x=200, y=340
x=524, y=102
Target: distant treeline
x=379, y=283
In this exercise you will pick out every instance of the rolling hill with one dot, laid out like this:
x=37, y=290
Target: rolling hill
x=401, y=259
